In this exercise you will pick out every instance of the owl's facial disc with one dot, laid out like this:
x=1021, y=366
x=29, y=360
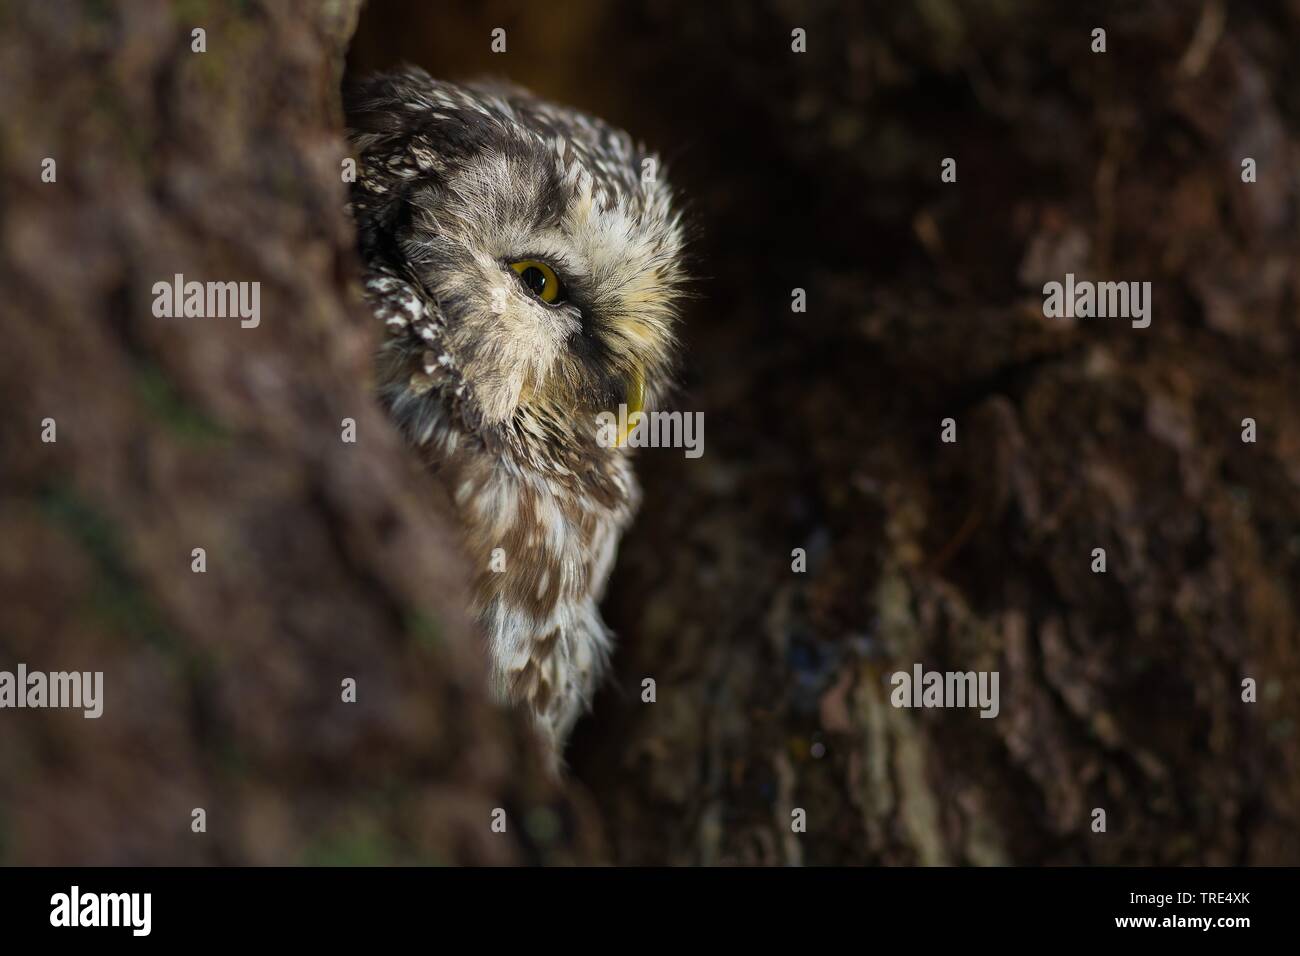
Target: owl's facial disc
x=555, y=308
x=552, y=262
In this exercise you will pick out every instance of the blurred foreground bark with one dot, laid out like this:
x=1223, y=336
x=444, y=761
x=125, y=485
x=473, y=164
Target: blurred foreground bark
x=325, y=560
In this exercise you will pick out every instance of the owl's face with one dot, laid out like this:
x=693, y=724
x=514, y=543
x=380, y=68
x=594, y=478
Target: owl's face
x=542, y=241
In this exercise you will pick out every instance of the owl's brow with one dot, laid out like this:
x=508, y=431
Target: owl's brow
x=564, y=265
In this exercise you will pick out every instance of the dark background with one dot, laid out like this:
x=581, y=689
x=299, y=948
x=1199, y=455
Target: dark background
x=817, y=170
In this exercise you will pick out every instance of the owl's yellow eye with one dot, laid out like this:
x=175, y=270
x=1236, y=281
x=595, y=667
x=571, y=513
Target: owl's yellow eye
x=539, y=278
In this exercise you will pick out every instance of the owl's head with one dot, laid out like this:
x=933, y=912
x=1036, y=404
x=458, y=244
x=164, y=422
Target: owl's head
x=537, y=248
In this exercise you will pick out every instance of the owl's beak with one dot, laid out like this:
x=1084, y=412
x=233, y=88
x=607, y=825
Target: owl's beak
x=635, y=401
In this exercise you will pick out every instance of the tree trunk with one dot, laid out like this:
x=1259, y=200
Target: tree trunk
x=1119, y=691
x=326, y=560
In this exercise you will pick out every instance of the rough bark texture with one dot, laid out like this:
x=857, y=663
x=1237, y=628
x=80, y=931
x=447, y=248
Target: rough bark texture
x=1119, y=691
x=325, y=560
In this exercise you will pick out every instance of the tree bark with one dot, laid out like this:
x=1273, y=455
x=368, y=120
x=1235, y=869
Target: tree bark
x=1120, y=691
x=325, y=560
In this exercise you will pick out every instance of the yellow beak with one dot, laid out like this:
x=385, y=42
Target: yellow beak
x=635, y=405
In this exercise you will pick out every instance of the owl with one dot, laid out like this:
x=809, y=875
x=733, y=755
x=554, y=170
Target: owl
x=526, y=263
